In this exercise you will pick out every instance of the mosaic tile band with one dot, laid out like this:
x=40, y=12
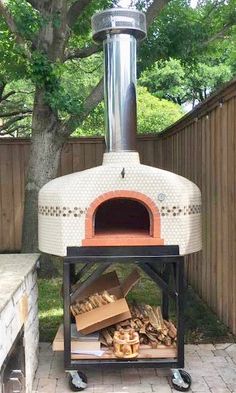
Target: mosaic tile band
x=77, y=212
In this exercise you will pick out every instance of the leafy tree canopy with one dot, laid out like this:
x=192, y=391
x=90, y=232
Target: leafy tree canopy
x=181, y=83
x=154, y=115
x=185, y=33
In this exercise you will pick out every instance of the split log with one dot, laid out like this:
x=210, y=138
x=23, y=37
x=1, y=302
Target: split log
x=107, y=337
x=149, y=323
x=92, y=302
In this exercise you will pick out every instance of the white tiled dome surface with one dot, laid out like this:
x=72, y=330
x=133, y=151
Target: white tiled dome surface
x=63, y=202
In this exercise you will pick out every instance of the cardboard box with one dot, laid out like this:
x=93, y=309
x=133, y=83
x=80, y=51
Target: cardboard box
x=80, y=344
x=111, y=313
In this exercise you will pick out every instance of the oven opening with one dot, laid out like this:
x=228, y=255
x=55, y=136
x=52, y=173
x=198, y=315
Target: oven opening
x=122, y=217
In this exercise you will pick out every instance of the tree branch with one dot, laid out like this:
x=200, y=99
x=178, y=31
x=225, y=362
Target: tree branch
x=154, y=9
x=11, y=93
x=14, y=113
x=82, y=53
x=2, y=88
x=94, y=98
x=11, y=121
x=218, y=35
x=75, y=11
x=13, y=28
x=13, y=130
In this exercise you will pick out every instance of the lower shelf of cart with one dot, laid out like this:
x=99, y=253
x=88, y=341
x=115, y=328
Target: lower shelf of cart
x=146, y=352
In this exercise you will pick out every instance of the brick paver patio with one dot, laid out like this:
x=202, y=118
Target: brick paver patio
x=212, y=367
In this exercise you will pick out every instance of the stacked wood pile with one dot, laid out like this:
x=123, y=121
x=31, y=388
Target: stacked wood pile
x=148, y=322
x=92, y=302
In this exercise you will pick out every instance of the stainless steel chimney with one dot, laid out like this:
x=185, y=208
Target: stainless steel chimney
x=119, y=29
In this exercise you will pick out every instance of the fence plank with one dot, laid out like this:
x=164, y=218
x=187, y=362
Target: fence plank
x=17, y=195
x=7, y=211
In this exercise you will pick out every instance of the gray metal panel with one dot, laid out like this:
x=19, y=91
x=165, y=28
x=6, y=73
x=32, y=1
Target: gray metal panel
x=118, y=20
x=120, y=92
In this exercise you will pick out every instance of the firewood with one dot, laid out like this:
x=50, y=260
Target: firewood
x=173, y=328
x=72, y=311
x=151, y=337
x=107, y=337
x=88, y=306
x=145, y=340
x=98, y=300
x=154, y=344
x=108, y=298
x=154, y=318
x=146, y=320
x=93, y=301
x=125, y=323
x=158, y=313
x=142, y=330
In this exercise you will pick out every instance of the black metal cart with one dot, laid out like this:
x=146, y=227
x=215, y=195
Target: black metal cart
x=165, y=267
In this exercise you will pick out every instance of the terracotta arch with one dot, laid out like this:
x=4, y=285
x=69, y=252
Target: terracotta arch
x=154, y=215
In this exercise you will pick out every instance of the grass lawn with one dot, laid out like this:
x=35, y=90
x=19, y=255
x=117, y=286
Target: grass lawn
x=201, y=323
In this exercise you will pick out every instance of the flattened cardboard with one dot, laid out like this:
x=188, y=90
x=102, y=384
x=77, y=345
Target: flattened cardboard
x=58, y=343
x=111, y=313
x=130, y=281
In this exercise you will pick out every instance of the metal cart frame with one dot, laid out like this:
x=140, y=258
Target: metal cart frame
x=148, y=258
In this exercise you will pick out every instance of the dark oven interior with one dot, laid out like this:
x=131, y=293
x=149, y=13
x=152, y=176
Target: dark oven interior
x=122, y=216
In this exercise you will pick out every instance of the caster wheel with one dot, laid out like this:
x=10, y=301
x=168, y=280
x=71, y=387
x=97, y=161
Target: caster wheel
x=77, y=381
x=182, y=387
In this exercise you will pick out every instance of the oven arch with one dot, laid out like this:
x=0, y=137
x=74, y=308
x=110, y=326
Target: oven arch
x=137, y=197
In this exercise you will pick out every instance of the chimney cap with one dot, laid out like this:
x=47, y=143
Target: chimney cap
x=119, y=21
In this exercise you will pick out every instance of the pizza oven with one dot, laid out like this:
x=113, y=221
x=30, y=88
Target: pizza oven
x=121, y=202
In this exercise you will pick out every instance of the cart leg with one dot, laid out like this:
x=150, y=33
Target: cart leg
x=181, y=380
x=77, y=381
x=165, y=297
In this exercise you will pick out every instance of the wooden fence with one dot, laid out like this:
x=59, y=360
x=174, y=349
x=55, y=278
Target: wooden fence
x=200, y=147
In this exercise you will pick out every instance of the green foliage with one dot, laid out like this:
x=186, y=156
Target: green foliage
x=13, y=62
x=154, y=115
x=77, y=80
x=94, y=124
x=50, y=308
x=165, y=79
x=21, y=100
x=205, y=79
x=81, y=35
x=27, y=19
x=66, y=84
x=182, y=83
x=185, y=33
x=43, y=72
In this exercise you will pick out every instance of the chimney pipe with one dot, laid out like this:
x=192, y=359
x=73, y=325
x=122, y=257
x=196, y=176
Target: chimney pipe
x=119, y=29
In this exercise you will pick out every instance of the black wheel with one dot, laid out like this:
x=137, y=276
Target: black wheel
x=74, y=383
x=187, y=382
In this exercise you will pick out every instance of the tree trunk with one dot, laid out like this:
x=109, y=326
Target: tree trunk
x=45, y=152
